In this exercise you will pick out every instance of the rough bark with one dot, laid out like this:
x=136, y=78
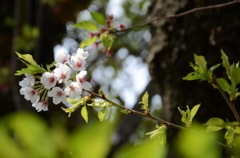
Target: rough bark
x=174, y=41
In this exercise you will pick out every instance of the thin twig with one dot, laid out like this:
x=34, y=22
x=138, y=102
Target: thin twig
x=130, y=111
x=180, y=15
x=135, y=112
x=229, y=102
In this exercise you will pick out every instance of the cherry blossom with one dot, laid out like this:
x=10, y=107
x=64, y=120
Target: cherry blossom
x=73, y=89
x=80, y=79
x=82, y=53
x=30, y=94
x=61, y=57
x=28, y=81
x=48, y=80
x=62, y=73
x=41, y=106
x=58, y=95
x=78, y=62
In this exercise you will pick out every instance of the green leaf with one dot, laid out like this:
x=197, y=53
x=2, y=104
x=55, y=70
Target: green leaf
x=101, y=114
x=125, y=111
x=224, y=84
x=213, y=128
x=236, y=74
x=84, y=113
x=87, y=25
x=98, y=17
x=237, y=129
x=194, y=110
x=27, y=59
x=214, y=67
x=215, y=124
x=107, y=39
x=183, y=113
x=201, y=62
x=229, y=135
x=34, y=69
x=72, y=101
x=88, y=42
x=225, y=62
x=51, y=65
x=145, y=102
x=192, y=76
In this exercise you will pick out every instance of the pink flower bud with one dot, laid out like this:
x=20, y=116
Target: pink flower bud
x=91, y=35
x=97, y=34
x=107, y=52
x=102, y=30
x=95, y=45
x=107, y=22
x=122, y=26
x=110, y=17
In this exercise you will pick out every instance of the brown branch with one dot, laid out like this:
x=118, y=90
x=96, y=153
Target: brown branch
x=130, y=111
x=180, y=14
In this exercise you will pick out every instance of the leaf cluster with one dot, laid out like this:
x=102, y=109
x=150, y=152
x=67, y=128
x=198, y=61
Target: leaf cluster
x=188, y=115
x=32, y=66
x=102, y=35
x=232, y=128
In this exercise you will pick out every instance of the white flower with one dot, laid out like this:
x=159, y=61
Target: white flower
x=58, y=95
x=80, y=79
x=30, y=94
x=28, y=81
x=73, y=89
x=61, y=57
x=48, y=80
x=78, y=62
x=82, y=53
x=41, y=106
x=62, y=73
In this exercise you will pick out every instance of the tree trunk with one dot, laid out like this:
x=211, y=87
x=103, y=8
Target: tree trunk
x=174, y=41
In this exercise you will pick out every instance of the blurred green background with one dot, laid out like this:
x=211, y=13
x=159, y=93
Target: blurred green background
x=44, y=27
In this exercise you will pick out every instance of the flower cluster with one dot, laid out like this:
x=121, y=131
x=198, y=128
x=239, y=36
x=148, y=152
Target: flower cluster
x=66, y=80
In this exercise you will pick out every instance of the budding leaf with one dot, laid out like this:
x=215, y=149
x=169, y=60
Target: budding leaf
x=88, y=42
x=225, y=62
x=87, y=25
x=159, y=133
x=107, y=39
x=200, y=70
x=101, y=114
x=145, y=102
x=98, y=17
x=214, y=67
x=84, y=113
x=26, y=59
x=125, y=111
x=188, y=115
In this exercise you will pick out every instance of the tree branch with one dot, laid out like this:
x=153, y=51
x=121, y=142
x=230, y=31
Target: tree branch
x=130, y=111
x=180, y=14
